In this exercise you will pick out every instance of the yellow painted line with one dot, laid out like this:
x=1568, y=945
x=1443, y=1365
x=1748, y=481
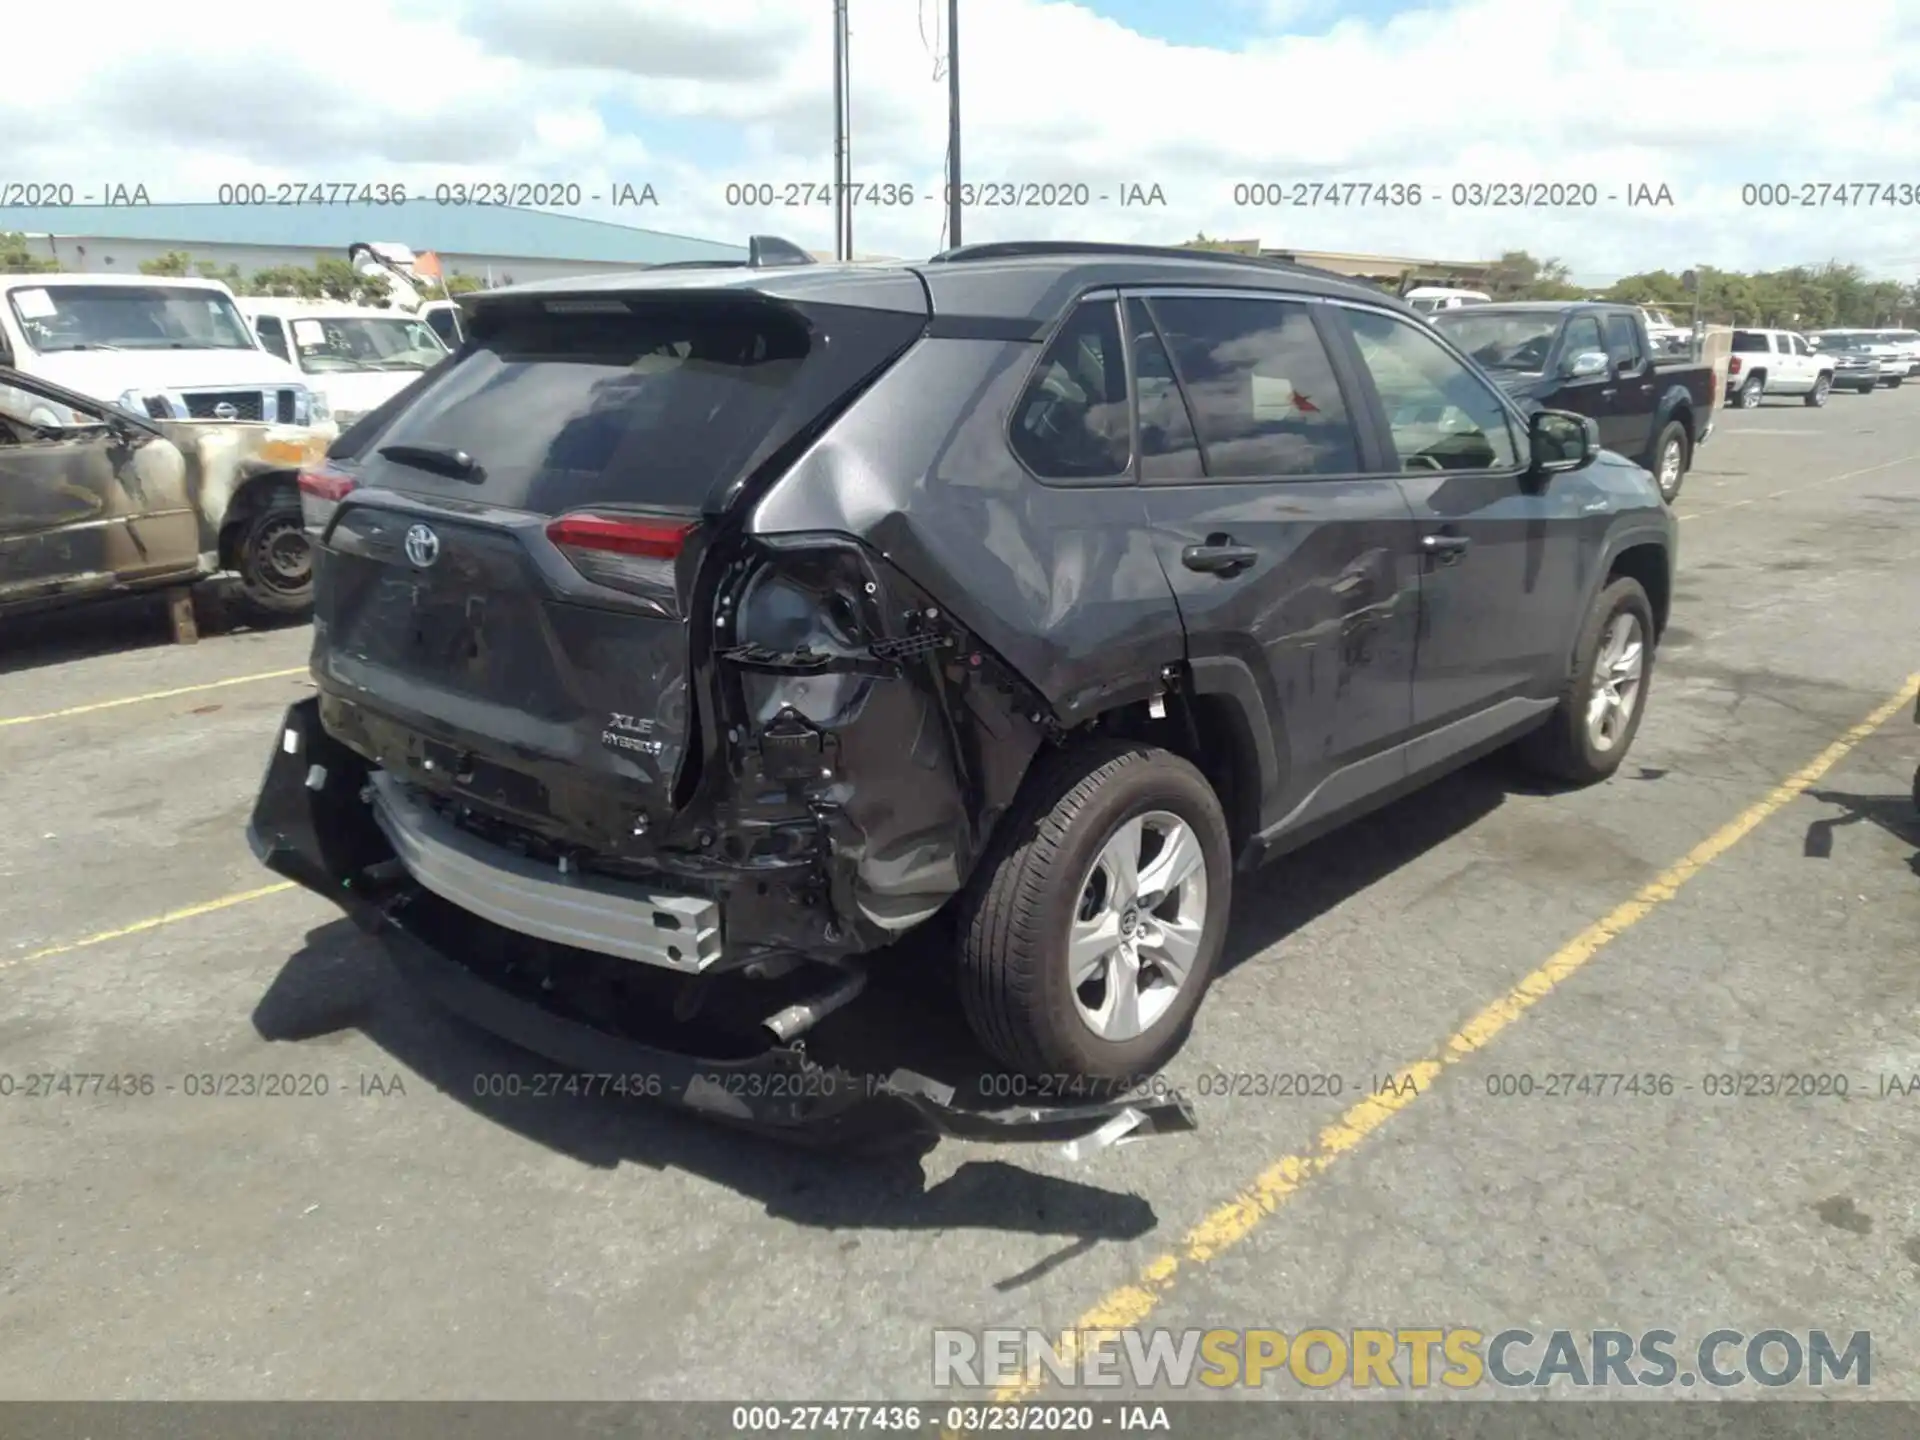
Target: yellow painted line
x=1274, y=1186
x=151, y=695
x=1810, y=485
x=172, y=917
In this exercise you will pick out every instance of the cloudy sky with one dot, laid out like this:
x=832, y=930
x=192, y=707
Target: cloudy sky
x=1196, y=97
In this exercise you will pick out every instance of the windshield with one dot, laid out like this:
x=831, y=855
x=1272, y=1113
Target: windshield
x=1501, y=340
x=128, y=317
x=329, y=344
x=1425, y=305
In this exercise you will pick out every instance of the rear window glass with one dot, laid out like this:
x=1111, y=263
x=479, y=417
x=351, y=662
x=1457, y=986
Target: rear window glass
x=1072, y=424
x=564, y=410
x=1749, y=342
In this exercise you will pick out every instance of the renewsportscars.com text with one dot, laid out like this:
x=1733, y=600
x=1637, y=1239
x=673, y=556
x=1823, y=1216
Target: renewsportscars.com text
x=1399, y=1358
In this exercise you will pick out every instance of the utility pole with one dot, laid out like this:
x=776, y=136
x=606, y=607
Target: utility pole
x=842, y=221
x=953, y=124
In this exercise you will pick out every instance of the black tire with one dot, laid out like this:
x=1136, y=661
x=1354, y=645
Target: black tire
x=1014, y=984
x=1896, y=382
x=274, y=555
x=1822, y=387
x=1916, y=789
x=1562, y=749
x=1672, y=434
x=1752, y=392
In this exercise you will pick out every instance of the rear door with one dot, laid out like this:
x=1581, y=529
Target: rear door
x=1502, y=578
x=1288, y=548
x=511, y=576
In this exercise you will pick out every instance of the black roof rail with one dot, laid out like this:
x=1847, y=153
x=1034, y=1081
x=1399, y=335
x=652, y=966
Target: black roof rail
x=1022, y=249
x=763, y=252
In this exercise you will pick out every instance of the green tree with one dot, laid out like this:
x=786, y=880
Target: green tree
x=1516, y=275
x=173, y=264
x=328, y=279
x=458, y=284
x=1202, y=241
x=17, y=258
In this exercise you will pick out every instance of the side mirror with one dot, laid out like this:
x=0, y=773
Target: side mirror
x=1588, y=363
x=1562, y=440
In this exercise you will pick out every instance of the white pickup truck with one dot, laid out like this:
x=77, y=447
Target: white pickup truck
x=361, y=355
x=1667, y=337
x=1897, y=350
x=176, y=350
x=1776, y=362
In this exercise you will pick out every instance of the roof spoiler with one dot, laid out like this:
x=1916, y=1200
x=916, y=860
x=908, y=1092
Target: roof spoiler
x=764, y=252
x=1030, y=249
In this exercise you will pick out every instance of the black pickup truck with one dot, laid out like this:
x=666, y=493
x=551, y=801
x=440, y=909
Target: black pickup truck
x=1595, y=359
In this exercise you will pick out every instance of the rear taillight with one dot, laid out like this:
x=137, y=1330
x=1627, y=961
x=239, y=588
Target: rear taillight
x=631, y=553
x=1733, y=365
x=321, y=491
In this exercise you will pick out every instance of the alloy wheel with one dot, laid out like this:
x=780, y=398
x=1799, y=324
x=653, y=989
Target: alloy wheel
x=1136, y=932
x=1618, y=673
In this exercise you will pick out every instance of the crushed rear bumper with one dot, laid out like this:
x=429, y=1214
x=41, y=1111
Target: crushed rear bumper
x=313, y=824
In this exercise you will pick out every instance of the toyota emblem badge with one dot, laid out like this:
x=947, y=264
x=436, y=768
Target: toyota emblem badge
x=225, y=411
x=423, y=546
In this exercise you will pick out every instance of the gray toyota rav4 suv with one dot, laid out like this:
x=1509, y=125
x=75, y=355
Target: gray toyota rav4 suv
x=688, y=637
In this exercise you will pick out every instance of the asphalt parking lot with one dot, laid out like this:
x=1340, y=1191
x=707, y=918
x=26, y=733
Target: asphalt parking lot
x=1742, y=898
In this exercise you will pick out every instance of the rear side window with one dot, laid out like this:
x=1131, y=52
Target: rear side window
x=1749, y=342
x=1264, y=397
x=1071, y=421
x=655, y=407
x=1623, y=340
x=1169, y=450
x=441, y=323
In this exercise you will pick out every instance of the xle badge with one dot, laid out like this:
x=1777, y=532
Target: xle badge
x=629, y=732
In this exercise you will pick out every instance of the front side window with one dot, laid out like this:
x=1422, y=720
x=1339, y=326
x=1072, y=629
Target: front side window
x=272, y=335
x=1264, y=398
x=1583, y=337
x=1443, y=416
x=1071, y=422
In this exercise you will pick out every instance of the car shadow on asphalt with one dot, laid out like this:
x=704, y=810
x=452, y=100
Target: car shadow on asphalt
x=340, y=980
x=1894, y=814
x=1297, y=888
x=99, y=628
x=908, y=1018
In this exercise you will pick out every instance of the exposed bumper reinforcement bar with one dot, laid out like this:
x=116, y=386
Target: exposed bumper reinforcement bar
x=311, y=825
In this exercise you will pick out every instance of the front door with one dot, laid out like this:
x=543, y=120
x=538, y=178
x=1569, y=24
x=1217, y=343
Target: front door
x=1592, y=395
x=83, y=509
x=1501, y=547
x=1287, y=542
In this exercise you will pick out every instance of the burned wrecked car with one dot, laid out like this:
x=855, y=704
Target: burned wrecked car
x=98, y=500
x=692, y=639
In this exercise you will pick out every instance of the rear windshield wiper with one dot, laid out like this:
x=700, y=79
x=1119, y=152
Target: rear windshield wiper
x=455, y=464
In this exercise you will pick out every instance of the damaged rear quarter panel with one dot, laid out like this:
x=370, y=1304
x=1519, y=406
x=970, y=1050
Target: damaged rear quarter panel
x=1056, y=590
